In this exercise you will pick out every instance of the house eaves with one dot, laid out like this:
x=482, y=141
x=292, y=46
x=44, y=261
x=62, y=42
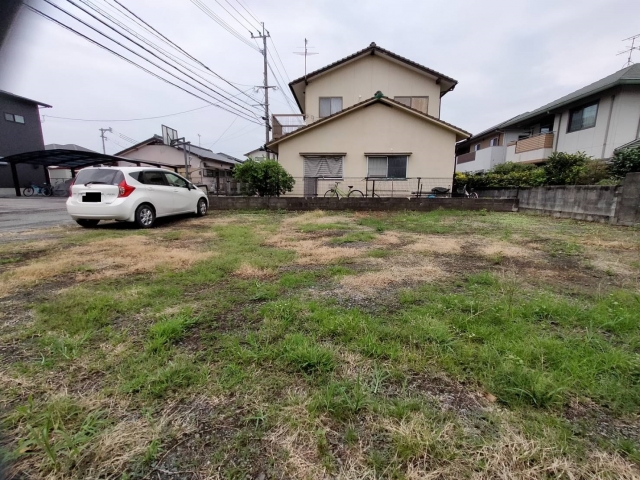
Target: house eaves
x=385, y=100
x=24, y=99
x=447, y=83
x=626, y=76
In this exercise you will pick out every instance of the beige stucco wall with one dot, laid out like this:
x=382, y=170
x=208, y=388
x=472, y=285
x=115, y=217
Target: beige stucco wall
x=623, y=128
x=361, y=79
x=376, y=129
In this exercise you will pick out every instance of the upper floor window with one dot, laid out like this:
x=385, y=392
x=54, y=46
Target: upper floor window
x=417, y=103
x=330, y=105
x=495, y=141
x=583, y=117
x=476, y=147
x=10, y=117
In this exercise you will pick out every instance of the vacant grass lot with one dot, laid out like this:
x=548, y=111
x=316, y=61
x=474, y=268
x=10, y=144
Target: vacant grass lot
x=264, y=345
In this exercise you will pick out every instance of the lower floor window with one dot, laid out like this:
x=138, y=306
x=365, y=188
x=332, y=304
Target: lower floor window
x=323, y=167
x=392, y=166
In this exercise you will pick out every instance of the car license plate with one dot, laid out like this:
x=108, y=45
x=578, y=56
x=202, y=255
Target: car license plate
x=94, y=197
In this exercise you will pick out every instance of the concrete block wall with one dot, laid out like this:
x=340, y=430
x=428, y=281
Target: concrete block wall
x=628, y=208
x=361, y=204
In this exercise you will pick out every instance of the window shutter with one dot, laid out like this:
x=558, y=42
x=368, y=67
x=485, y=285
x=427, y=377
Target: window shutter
x=403, y=100
x=377, y=167
x=323, y=167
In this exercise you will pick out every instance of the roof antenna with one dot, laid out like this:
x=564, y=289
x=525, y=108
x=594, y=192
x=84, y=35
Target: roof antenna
x=630, y=49
x=305, y=53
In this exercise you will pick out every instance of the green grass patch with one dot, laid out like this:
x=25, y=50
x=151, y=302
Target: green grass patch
x=353, y=238
x=319, y=227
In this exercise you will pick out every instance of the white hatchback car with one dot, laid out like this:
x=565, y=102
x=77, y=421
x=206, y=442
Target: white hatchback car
x=132, y=194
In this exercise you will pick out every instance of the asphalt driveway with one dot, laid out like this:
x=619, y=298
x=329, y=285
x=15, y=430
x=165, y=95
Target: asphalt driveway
x=20, y=214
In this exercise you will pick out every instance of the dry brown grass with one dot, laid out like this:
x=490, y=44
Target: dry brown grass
x=247, y=271
x=433, y=243
x=311, y=252
x=101, y=259
x=494, y=247
x=403, y=270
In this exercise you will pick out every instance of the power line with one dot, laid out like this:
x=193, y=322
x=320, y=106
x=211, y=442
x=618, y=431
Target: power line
x=281, y=62
x=158, y=34
x=225, y=131
x=232, y=16
x=160, y=49
x=146, y=50
x=223, y=24
x=127, y=119
x=113, y=52
x=243, y=17
x=281, y=88
x=251, y=14
x=146, y=59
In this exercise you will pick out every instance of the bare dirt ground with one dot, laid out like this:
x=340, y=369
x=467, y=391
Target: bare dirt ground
x=262, y=345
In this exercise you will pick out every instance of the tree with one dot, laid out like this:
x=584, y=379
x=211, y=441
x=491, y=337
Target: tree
x=565, y=168
x=625, y=161
x=266, y=179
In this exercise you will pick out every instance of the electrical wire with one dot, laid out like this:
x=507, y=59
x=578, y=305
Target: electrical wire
x=243, y=17
x=232, y=16
x=281, y=63
x=216, y=18
x=113, y=52
x=281, y=89
x=246, y=10
x=164, y=52
x=148, y=51
x=137, y=19
x=225, y=131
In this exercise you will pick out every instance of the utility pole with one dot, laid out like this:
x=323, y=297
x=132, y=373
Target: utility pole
x=182, y=142
x=305, y=53
x=267, y=126
x=199, y=140
x=102, y=132
x=630, y=49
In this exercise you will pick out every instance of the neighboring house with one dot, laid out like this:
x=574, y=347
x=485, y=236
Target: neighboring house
x=259, y=154
x=57, y=174
x=596, y=119
x=205, y=167
x=373, y=114
x=20, y=131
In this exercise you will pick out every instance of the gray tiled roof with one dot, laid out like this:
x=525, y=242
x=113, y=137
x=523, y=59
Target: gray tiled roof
x=627, y=76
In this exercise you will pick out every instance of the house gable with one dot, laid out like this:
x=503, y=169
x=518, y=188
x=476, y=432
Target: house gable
x=360, y=75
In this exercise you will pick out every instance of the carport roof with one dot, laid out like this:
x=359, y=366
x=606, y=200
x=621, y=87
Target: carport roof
x=72, y=159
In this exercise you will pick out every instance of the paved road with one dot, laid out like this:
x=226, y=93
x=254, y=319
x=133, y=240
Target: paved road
x=20, y=214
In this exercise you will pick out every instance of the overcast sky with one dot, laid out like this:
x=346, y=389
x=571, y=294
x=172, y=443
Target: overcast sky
x=508, y=56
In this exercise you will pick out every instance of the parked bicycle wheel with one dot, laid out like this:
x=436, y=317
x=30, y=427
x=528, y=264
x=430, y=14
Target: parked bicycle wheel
x=375, y=195
x=355, y=193
x=331, y=193
x=473, y=195
x=47, y=191
x=27, y=192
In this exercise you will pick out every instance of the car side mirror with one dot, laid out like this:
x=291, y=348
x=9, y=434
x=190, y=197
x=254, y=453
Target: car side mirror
x=190, y=186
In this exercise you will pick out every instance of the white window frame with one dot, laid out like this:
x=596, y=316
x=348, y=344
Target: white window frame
x=496, y=140
x=476, y=147
x=16, y=117
x=387, y=176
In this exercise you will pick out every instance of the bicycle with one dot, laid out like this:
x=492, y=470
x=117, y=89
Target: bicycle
x=336, y=192
x=44, y=190
x=466, y=193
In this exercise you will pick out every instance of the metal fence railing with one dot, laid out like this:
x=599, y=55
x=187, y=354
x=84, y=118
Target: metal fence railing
x=371, y=187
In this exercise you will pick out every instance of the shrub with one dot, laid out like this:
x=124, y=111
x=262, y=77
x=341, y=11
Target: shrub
x=625, y=161
x=594, y=172
x=565, y=168
x=267, y=178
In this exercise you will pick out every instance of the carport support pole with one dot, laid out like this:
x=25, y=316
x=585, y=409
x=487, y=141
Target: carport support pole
x=14, y=174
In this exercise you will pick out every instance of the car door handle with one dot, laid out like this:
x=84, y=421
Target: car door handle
x=150, y=188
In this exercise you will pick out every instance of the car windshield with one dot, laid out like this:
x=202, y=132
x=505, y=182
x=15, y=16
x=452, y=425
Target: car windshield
x=103, y=176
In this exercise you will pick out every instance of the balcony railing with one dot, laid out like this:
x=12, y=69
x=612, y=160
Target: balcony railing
x=283, y=124
x=467, y=157
x=543, y=140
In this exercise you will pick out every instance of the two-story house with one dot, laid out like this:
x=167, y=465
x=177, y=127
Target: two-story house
x=20, y=131
x=374, y=115
x=596, y=119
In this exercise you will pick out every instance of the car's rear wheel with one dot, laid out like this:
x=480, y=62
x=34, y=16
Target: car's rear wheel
x=145, y=216
x=202, y=207
x=87, y=223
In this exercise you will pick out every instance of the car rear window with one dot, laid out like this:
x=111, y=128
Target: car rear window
x=100, y=176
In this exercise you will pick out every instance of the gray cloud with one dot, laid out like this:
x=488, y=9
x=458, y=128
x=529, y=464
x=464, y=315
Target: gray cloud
x=509, y=57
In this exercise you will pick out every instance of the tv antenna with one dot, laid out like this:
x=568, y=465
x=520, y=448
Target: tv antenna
x=307, y=53
x=630, y=49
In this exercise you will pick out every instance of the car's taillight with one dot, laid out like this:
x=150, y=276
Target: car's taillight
x=73, y=180
x=124, y=189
